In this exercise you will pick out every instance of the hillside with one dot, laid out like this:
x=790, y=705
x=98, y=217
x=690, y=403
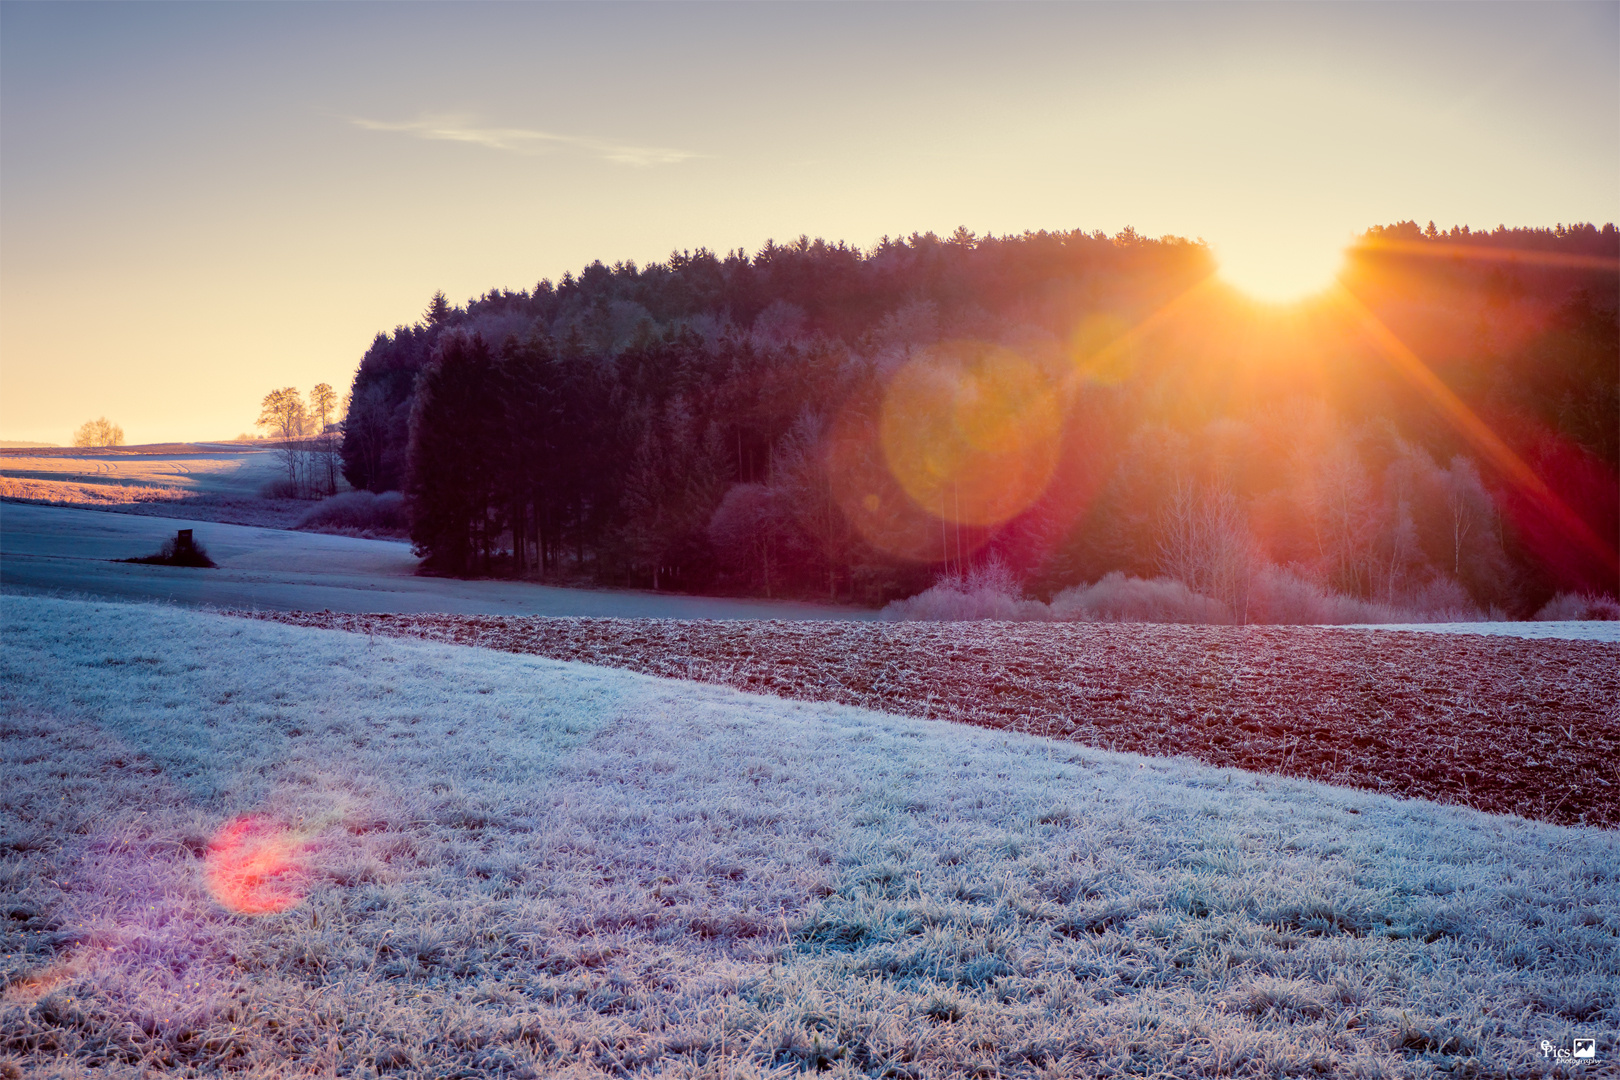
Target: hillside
x=1437, y=433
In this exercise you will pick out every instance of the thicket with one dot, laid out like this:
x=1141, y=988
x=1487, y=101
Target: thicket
x=1447, y=440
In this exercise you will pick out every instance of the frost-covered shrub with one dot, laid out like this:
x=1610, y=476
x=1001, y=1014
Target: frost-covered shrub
x=181, y=550
x=283, y=487
x=1443, y=600
x=359, y=513
x=1281, y=597
x=947, y=602
x=1277, y=596
x=1584, y=607
x=989, y=590
x=1117, y=598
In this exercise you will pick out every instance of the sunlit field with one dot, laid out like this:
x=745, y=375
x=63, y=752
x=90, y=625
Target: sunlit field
x=208, y=480
x=182, y=469
x=264, y=850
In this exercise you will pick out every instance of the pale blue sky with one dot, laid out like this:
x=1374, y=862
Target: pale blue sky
x=201, y=202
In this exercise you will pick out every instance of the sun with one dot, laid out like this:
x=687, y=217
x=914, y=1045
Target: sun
x=1279, y=269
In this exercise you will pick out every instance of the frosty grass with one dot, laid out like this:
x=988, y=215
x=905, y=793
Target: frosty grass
x=522, y=867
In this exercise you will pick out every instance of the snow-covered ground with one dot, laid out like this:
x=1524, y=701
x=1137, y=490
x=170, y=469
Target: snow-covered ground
x=1565, y=631
x=54, y=549
x=500, y=865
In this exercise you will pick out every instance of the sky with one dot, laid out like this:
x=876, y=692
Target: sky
x=201, y=203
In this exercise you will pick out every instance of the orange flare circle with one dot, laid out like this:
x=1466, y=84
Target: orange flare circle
x=1100, y=348
x=970, y=432
x=872, y=502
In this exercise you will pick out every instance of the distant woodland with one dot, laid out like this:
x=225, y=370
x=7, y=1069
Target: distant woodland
x=815, y=420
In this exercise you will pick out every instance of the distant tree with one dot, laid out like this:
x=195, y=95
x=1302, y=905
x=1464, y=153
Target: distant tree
x=1205, y=544
x=322, y=406
x=284, y=417
x=283, y=414
x=438, y=312
x=752, y=531
x=323, y=403
x=99, y=432
x=366, y=432
x=377, y=422
x=1344, y=518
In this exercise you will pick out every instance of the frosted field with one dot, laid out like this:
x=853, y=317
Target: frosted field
x=55, y=549
x=1564, y=631
x=506, y=866
x=130, y=474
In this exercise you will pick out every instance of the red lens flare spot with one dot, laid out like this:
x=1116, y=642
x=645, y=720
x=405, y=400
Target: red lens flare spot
x=255, y=866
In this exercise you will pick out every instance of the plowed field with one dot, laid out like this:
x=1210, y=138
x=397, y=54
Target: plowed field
x=1504, y=725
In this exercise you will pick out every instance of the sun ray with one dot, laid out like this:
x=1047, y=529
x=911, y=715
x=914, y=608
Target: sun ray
x=1439, y=249
x=1110, y=362
x=1476, y=431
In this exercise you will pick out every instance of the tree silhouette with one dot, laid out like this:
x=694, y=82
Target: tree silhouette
x=98, y=432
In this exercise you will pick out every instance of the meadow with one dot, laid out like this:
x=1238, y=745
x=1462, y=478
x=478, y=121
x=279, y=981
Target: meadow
x=234, y=846
x=73, y=551
x=209, y=481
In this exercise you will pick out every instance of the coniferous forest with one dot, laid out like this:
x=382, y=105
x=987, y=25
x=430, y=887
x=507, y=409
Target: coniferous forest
x=814, y=420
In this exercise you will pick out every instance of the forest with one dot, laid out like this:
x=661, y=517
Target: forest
x=1437, y=431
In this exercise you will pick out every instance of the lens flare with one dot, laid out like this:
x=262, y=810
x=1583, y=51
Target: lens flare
x=875, y=505
x=256, y=866
x=1102, y=350
x=970, y=432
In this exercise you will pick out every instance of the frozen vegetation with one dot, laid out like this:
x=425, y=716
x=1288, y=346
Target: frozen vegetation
x=66, y=550
x=235, y=483
x=232, y=482
x=1273, y=596
x=510, y=866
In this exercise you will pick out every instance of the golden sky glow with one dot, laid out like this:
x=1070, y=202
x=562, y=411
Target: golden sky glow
x=201, y=203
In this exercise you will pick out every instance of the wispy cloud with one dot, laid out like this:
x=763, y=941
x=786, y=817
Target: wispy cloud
x=524, y=140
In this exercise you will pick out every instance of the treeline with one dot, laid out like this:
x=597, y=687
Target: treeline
x=818, y=420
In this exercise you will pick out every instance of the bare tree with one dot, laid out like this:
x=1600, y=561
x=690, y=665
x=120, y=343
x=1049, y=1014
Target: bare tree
x=1204, y=542
x=323, y=403
x=1345, y=519
x=99, y=432
x=1469, y=505
x=283, y=415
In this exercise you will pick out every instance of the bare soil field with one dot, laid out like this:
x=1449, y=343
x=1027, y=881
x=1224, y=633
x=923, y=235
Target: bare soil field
x=1503, y=725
